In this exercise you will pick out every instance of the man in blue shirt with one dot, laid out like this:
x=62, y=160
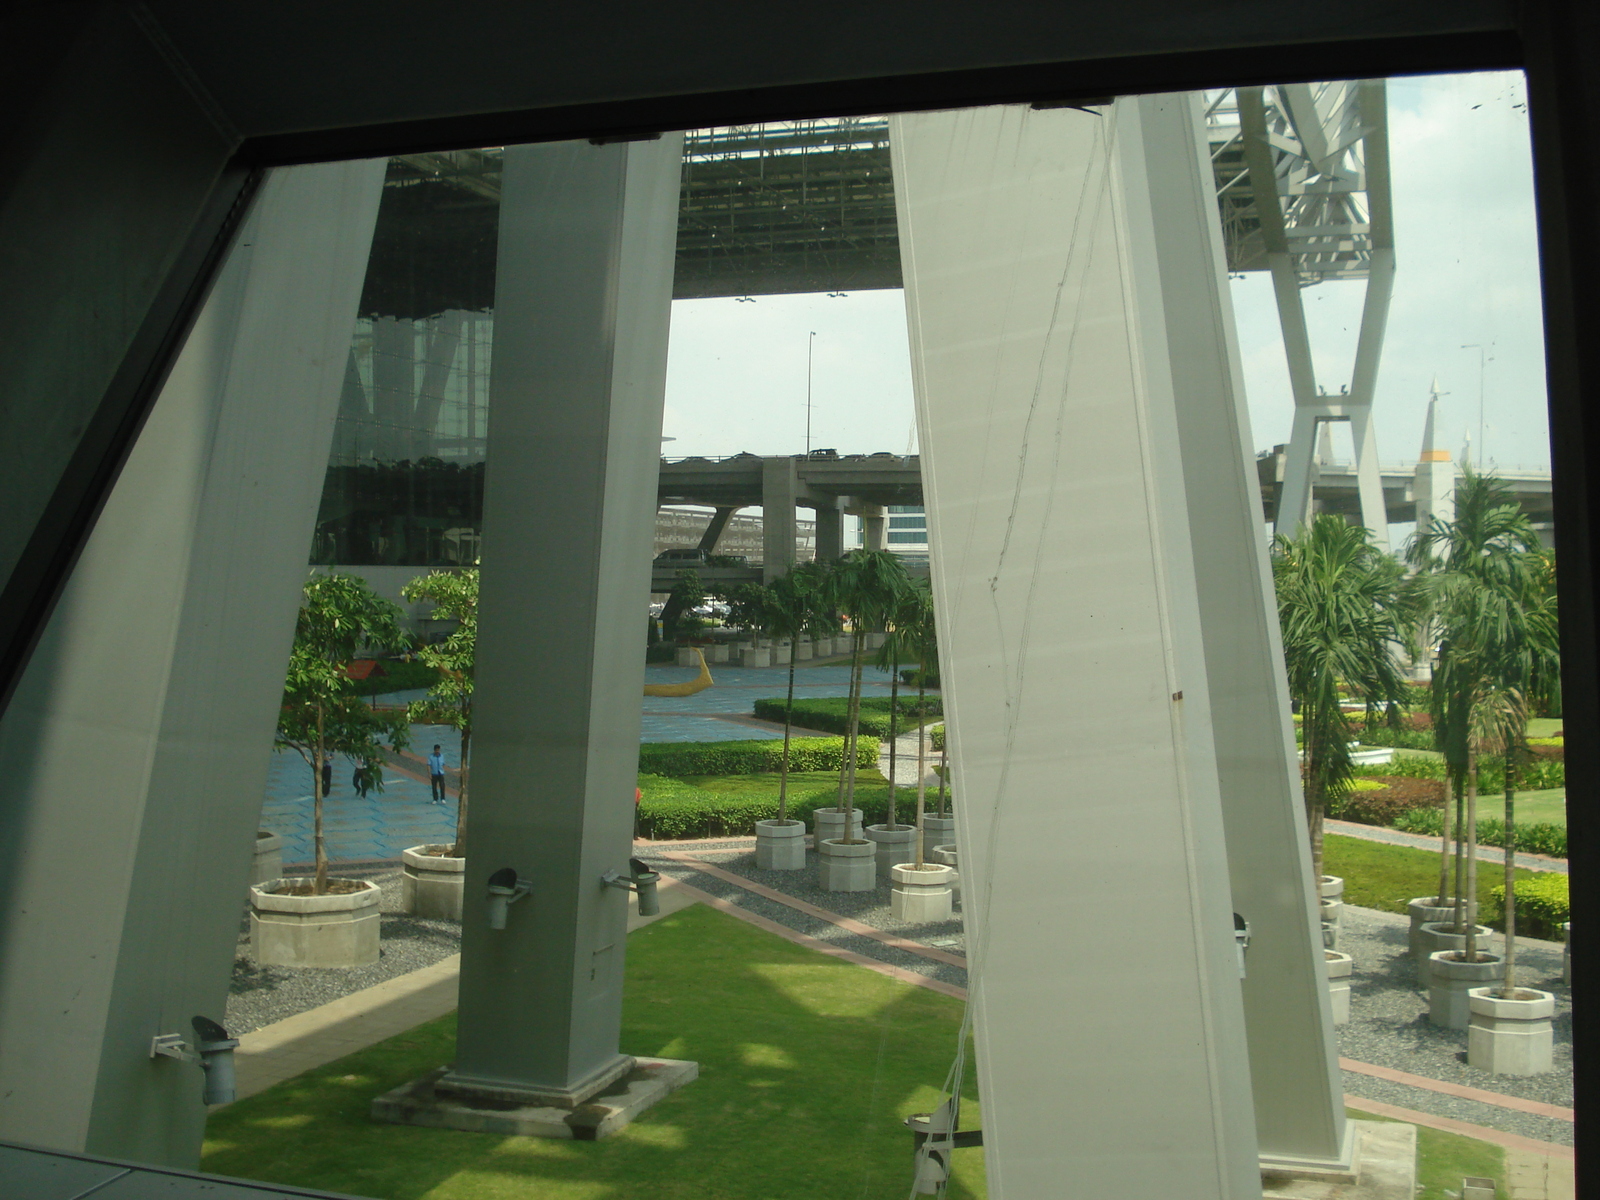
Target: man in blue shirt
x=436, y=775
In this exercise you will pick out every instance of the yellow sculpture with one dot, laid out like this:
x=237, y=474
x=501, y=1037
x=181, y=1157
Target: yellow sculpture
x=698, y=684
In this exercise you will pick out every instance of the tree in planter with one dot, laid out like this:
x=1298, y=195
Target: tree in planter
x=911, y=611
x=687, y=593
x=922, y=642
x=1341, y=614
x=454, y=595
x=794, y=609
x=1482, y=585
x=322, y=713
x=866, y=585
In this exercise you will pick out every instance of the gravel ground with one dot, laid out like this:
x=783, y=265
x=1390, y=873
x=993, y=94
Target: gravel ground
x=261, y=995
x=1389, y=1027
x=1389, y=1023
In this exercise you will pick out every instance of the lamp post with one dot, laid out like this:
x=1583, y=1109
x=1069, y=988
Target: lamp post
x=1481, y=361
x=811, y=341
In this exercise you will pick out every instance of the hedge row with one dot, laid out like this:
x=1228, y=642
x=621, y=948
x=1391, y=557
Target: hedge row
x=832, y=714
x=1394, y=797
x=1542, y=904
x=672, y=810
x=1539, y=775
x=751, y=757
x=1539, y=837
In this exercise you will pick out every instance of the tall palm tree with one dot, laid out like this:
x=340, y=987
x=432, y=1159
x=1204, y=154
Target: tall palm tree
x=902, y=645
x=1481, y=586
x=1341, y=615
x=794, y=610
x=866, y=585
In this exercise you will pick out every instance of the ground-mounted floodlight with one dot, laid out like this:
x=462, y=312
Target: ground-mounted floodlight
x=505, y=889
x=212, y=1053
x=640, y=879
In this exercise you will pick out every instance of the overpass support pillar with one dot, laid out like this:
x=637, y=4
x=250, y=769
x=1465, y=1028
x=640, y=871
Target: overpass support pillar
x=581, y=314
x=780, y=485
x=830, y=531
x=873, y=525
x=715, y=528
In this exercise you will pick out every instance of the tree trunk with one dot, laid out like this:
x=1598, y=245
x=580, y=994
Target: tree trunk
x=894, y=701
x=1509, y=988
x=944, y=771
x=922, y=758
x=459, y=849
x=788, y=723
x=321, y=884
x=857, y=641
x=1444, y=849
x=1470, y=907
x=1461, y=890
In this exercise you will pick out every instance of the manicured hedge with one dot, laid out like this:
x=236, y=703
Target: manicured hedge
x=1538, y=837
x=751, y=757
x=1539, y=775
x=833, y=713
x=673, y=810
x=1392, y=798
x=1542, y=904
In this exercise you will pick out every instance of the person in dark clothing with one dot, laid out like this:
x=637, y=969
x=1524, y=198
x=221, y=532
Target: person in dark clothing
x=361, y=781
x=436, y=774
x=327, y=773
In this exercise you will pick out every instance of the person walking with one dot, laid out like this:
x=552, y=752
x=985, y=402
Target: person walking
x=361, y=781
x=436, y=774
x=327, y=773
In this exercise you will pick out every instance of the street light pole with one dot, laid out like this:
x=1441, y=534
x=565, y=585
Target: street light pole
x=1481, y=360
x=811, y=342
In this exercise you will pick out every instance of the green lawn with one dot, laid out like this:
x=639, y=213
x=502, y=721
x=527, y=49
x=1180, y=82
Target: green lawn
x=1544, y=726
x=1445, y=1159
x=1385, y=877
x=807, y=1065
x=1550, y=806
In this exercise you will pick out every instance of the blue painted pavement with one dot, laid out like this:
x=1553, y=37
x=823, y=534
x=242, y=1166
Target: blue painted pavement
x=386, y=822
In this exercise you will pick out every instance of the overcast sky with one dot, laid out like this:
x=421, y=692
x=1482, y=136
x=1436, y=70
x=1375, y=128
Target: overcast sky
x=1467, y=273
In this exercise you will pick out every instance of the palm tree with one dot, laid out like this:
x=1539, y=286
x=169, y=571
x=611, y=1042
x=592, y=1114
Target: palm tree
x=899, y=645
x=865, y=584
x=1341, y=615
x=1481, y=584
x=917, y=613
x=794, y=610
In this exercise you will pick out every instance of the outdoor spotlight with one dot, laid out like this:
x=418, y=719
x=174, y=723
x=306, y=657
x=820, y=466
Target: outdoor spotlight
x=1241, y=939
x=640, y=879
x=505, y=889
x=212, y=1053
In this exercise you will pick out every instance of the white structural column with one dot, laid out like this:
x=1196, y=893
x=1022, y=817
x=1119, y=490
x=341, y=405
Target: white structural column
x=1294, y=1067
x=137, y=745
x=582, y=307
x=1110, y=1029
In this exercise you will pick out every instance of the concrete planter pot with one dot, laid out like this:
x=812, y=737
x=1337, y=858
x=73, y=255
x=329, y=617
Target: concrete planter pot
x=923, y=895
x=847, y=866
x=938, y=831
x=1451, y=978
x=1332, y=923
x=1331, y=888
x=686, y=657
x=896, y=844
x=431, y=884
x=947, y=855
x=780, y=845
x=716, y=654
x=1423, y=911
x=267, y=862
x=874, y=641
x=1436, y=936
x=803, y=652
x=758, y=657
x=829, y=823
x=314, y=931
x=1339, y=968
x=824, y=647
x=1566, y=953
x=1511, y=1037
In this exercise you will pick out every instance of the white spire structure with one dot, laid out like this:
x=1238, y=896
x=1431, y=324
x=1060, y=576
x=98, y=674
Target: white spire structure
x=1435, y=482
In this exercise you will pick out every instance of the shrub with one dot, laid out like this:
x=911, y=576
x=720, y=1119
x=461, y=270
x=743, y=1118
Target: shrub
x=1388, y=801
x=911, y=674
x=751, y=757
x=398, y=676
x=1407, y=767
x=672, y=810
x=1405, y=739
x=1540, y=837
x=1542, y=904
x=832, y=714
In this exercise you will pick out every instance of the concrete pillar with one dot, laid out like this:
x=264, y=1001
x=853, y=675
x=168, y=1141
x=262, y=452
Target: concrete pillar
x=1074, y=666
x=873, y=524
x=780, y=484
x=830, y=532
x=1294, y=1069
x=587, y=235
x=715, y=528
x=136, y=760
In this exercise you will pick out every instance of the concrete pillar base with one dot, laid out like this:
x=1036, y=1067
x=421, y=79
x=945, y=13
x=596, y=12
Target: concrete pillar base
x=315, y=931
x=921, y=897
x=1511, y=1037
x=1450, y=981
x=267, y=863
x=781, y=845
x=431, y=884
x=895, y=845
x=1339, y=966
x=646, y=1082
x=829, y=823
x=847, y=866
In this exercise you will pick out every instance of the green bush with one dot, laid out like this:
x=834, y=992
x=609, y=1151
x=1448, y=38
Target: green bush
x=661, y=652
x=1383, y=802
x=910, y=674
x=1539, y=837
x=1539, y=775
x=672, y=810
x=1542, y=904
x=751, y=757
x=398, y=676
x=1405, y=739
x=832, y=713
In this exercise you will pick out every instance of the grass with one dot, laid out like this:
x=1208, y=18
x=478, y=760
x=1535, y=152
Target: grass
x=1385, y=877
x=1445, y=1159
x=807, y=1066
x=1544, y=726
x=1550, y=805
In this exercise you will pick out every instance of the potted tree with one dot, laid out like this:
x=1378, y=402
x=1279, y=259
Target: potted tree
x=866, y=584
x=791, y=611
x=324, y=922
x=433, y=874
x=894, y=841
x=1340, y=611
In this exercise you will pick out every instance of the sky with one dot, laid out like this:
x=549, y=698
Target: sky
x=1466, y=274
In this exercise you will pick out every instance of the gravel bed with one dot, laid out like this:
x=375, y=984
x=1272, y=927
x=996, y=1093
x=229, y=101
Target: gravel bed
x=261, y=995
x=1389, y=1027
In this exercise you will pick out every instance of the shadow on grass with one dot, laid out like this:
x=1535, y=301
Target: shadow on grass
x=807, y=1066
